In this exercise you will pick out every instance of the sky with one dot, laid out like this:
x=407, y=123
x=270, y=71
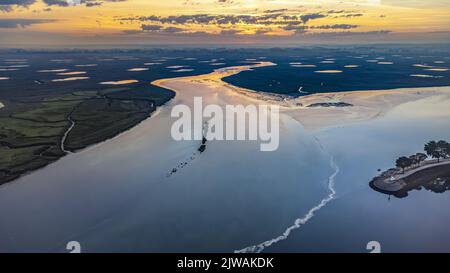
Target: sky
x=46, y=23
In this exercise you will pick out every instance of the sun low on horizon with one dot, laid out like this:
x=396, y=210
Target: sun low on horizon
x=85, y=22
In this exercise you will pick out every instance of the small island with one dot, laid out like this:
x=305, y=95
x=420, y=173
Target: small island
x=330, y=104
x=430, y=170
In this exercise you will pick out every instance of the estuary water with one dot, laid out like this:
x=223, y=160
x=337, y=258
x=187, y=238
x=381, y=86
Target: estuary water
x=416, y=223
x=117, y=196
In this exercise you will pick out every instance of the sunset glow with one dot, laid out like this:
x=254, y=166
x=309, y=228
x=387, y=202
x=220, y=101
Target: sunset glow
x=47, y=22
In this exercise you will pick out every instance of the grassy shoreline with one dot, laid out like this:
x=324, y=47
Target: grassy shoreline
x=31, y=129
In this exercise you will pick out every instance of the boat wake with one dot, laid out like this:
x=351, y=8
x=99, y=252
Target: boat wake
x=300, y=221
x=206, y=128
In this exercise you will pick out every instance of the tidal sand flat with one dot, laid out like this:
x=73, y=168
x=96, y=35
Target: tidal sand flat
x=137, y=69
x=437, y=69
x=121, y=82
x=61, y=60
x=328, y=71
x=85, y=65
x=423, y=65
x=183, y=70
x=304, y=65
x=175, y=66
x=70, y=79
x=72, y=73
x=362, y=105
x=425, y=76
x=16, y=66
x=337, y=108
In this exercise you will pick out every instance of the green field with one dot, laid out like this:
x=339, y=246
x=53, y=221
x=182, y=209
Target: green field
x=32, y=128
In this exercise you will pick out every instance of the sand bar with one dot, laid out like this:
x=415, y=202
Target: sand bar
x=365, y=105
x=120, y=82
x=70, y=79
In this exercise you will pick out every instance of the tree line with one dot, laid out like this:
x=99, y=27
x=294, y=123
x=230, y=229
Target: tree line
x=434, y=149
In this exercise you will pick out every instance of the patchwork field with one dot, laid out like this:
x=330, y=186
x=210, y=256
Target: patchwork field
x=37, y=131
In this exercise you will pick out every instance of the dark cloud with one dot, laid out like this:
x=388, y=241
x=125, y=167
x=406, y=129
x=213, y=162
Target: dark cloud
x=172, y=30
x=17, y=23
x=150, y=27
x=8, y=5
x=349, y=15
x=208, y=19
x=311, y=16
x=336, y=26
x=226, y=2
x=271, y=19
x=160, y=29
x=17, y=2
x=297, y=29
x=336, y=11
x=300, y=29
x=191, y=3
x=353, y=33
x=61, y=3
x=229, y=32
x=91, y=3
x=275, y=10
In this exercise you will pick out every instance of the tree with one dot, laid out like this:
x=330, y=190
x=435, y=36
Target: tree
x=418, y=158
x=403, y=162
x=437, y=149
x=414, y=160
x=421, y=157
x=447, y=150
x=432, y=149
x=443, y=147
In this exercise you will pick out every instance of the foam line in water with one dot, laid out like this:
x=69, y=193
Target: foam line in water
x=300, y=221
